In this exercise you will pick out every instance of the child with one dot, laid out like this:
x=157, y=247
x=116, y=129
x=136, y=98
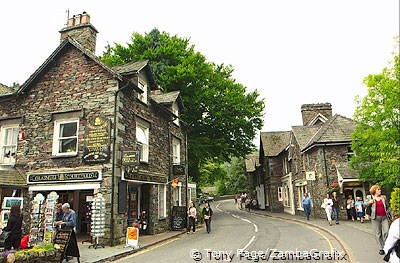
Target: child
x=359, y=209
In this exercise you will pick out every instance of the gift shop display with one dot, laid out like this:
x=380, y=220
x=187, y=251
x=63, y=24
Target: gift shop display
x=49, y=212
x=98, y=217
x=37, y=220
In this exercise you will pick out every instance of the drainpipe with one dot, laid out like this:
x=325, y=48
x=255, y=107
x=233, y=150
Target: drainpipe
x=326, y=168
x=114, y=139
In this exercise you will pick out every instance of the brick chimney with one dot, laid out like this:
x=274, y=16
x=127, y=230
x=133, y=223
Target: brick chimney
x=310, y=111
x=79, y=28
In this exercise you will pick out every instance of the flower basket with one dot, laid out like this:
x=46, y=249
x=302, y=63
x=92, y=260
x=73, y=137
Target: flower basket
x=333, y=187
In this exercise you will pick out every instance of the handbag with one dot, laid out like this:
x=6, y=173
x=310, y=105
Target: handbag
x=323, y=206
x=206, y=217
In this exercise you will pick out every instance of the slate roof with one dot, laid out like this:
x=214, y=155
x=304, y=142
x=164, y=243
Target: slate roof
x=251, y=163
x=336, y=129
x=5, y=90
x=132, y=67
x=346, y=172
x=274, y=143
x=303, y=134
x=12, y=178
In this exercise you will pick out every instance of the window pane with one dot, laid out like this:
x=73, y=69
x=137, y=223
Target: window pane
x=141, y=136
x=68, y=145
x=68, y=129
x=15, y=136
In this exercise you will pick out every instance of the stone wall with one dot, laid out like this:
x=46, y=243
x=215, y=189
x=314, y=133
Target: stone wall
x=310, y=111
x=273, y=176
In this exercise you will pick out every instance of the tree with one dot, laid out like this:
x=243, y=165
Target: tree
x=377, y=134
x=221, y=115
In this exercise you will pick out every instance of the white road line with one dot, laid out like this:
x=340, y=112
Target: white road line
x=248, y=244
x=218, y=207
x=246, y=220
x=235, y=216
x=255, y=228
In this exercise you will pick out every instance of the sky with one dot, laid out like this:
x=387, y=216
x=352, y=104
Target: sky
x=293, y=52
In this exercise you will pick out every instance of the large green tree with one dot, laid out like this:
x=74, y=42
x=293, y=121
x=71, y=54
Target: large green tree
x=377, y=134
x=222, y=116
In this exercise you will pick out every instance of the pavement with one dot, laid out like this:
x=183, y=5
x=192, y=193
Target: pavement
x=356, y=237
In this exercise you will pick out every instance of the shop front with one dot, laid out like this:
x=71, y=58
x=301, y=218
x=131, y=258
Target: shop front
x=74, y=187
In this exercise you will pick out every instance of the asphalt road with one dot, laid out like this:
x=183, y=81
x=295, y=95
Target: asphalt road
x=238, y=236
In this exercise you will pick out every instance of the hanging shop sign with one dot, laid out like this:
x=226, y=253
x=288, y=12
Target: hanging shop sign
x=64, y=177
x=178, y=169
x=97, y=140
x=310, y=176
x=130, y=158
x=133, y=175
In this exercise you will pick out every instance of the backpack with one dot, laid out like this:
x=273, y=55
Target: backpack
x=395, y=248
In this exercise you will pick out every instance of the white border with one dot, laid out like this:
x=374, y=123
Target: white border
x=66, y=182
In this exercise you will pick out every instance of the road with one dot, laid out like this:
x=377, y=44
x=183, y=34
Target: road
x=234, y=230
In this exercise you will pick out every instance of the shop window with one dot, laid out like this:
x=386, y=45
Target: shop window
x=176, y=151
x=142, y=96
x=176, y=196
x=162, y=204
x=301, y=190
x=142, y=137
x=9, y=137
x=175, y=111
x=65, y=139
x=280, y=194
x=286, y=196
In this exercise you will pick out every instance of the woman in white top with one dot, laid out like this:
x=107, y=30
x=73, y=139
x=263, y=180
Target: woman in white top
x=393, y=237
x=327, y=205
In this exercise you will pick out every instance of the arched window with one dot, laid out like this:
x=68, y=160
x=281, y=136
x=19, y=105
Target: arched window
x=142, y=138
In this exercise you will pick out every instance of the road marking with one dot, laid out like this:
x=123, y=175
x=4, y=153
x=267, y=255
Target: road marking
x=235, y=216
x=218, y=207
x=255, y=228
x=147, y=249
x=248, y=244
x=246, y=220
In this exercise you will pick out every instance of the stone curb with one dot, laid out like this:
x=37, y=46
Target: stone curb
x=133, y=251
x=345, y=247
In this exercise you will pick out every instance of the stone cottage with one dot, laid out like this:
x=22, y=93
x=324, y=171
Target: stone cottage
x=311, y=158
x=84, y=128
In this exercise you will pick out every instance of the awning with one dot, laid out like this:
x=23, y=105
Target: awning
x=63, y=187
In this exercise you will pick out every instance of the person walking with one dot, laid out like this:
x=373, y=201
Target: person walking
x=392, y=243
x=359, y=206
x=379, y=216
x=351, y=214
x=207, y=213
x=192, y=215
x=335, y=207
x=14, y=227
x=327, y=205
x=236, y=199
x=306, y=203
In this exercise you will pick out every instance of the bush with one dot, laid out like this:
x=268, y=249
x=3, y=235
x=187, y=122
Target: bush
x=395, y=201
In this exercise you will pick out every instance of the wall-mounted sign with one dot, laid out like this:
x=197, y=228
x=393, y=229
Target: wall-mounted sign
x=64, y=177
x=300, y=183
x=132, y=175
x=178, y=169
x=97, y=140
x=130, y=158
x=310, y=176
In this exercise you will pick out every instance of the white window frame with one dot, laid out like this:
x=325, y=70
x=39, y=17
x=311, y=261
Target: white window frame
x=180, y=195
x=280, y=193
x=2, y=138
x=175, y=111
x=162, y=208
x=286, y=195
x=176, y=151
x=56, y=137
x=142, y=96
x=144, y=148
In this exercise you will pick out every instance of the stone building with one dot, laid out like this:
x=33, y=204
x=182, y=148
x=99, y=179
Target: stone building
x=311, y=158
x=84, y=128
x=255, y=180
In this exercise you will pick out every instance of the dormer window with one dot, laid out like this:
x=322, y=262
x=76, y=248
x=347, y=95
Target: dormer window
x=142, y=96
x=175, y=111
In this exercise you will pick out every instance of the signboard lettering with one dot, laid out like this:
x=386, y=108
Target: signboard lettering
x=132, y=237
x=130, y=158
x=64, y=177
x=178, y=169
x=66, y=240
x=97, y=140
x=178, y=217
x=133, y=175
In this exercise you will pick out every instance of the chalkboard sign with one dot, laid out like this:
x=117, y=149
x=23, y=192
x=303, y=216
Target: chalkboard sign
x=179, y=216
x=66, y=239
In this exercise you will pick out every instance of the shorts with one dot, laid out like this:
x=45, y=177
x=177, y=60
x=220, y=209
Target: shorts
x=360, y=214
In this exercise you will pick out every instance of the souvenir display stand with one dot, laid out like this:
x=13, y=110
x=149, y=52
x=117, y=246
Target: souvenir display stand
x=98, y=220
x=88, y=220
x=49, y=212
x=37, y=219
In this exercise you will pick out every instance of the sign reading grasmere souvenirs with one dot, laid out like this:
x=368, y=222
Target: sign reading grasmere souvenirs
x=97, y=140
x=61, y=177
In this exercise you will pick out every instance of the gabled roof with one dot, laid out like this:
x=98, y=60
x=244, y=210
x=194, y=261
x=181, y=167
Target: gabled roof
x=274, y=143
x=167, y=98
x=251, y=163
x=337, y=129
x=303, y=134
x=47, y=62
x=134, y=68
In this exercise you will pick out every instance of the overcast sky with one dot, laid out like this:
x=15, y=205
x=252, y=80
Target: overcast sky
x=292, y=52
